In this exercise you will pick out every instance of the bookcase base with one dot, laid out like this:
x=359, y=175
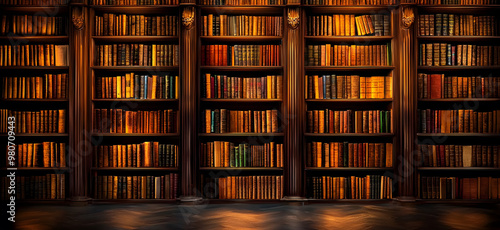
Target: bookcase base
x=79, y=201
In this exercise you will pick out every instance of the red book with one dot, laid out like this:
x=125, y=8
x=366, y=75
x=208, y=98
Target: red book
x=224, y=56
x=435, y=82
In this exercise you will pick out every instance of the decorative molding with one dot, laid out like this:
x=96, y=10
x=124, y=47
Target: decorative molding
x=408, y=17
x=188, y=17
x=78, y=22
x=293, y=19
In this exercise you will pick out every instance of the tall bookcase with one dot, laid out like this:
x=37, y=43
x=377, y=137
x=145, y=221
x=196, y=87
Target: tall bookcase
x=39, y=165
x=158, y=141
x=264, y=166
x=336, y=161
x=446, y=162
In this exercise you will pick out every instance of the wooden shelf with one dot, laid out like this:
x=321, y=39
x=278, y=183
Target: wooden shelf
x=39, y=169
x=457, y=68
x=241, y=38
x=350, y=39
x=349, y=134
x=459, y=38
x=55, y=10
x=240, y=168
x=325, y=9
x=34, y=100
x=348, y=100
x=460, y=100
x=134, y=169
x=348, y=68
x=349, y=200
x=137, y=68
x=242, y=68
x=247, y=10
x=459, y=9
x=458, y=169
x=347, y=169
x=134, y=201
x=135, y=134
x=225, y=100
x=458, y=201
x=37, y=135
x=137, y=9
x=491, y=135
x=229, y=201
x=36, y=39
x=240, y=134
x=34, y=67
x=135, y=100
x=135, y=38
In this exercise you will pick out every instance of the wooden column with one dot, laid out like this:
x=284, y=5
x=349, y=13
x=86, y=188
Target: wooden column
x=79, y=136
x=408, y=95
x=188, y=136
x=293, y=111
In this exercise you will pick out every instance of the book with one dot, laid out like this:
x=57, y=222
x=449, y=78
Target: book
x=45, y=154
x=435, y=54
x=141, y=121
x=458, y=155
x=241, y=55
x=228, y=154
x=367, y=121
x=40, y=187
x=109, y=24
x=34, y=55
x=353, y=187
x=458, y=121
x=48, y=86
x=146, y=154
x=241, y=2
x=136, y=187
x=360, y=87
x=350, y=3
x=223, y=86
x=137, y=86
x=134, y=54
x=238, y=121
x=467, y=188
x=35, y=2
x=458, y=25
x=359, y=25
x=135, y=2
x=348, y=55
x=241, y=25
x=257, y=187
x=443, y=86
x=41, y=121
x=456, y=2
x=32, y=25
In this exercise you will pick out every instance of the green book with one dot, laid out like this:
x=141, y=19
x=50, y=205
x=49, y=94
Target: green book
x=232, y=151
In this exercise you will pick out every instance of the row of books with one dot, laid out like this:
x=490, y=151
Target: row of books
x=137, y=187
x=134, y=2
x=348, y=25
x=344, y=154
x=125, y=121
x=241, y=2
x=335, y=188
x=457, y=25
x=35, y=2
x=241, y=25
x=350, y=2
x=444, y=54
x=137, y=54
x=457, y=2
x=435, y=86
x=135, y=25
x=458, y=155
x=367, y=121
x=227, y=154
x=348, y=87
x=48, y=186
x=241, y=55
x=239, y=121
x=48, y=86
x=41, y=121
x=137, y=87
x=458, y=121
x=348, y=55
x=34, y=55
x=459, y=188
x=222, y=86
x=32, y=25
x=245, y=187
x=45, y=154
x=146, y=154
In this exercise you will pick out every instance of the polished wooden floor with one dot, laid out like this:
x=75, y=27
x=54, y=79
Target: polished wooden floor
x=258, y=216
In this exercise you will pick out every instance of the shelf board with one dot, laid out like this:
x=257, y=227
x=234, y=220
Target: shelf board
x=348, y=68
x=348, y=100
x=240, y=38
x=227, y=201
x=137, y=68
x=33, y=100
x=39, y=168
x=134, y=200
x=349, y=200
x=458, y=38
x=460, y=100
x=240, y=168
x=136, y=9
x=458, y=201
x=459, y=9
x=37, y=135
x=240, y=134
x=135, y=100
x=496, y=135
x=241, y=100
x=135, y=38
x=35, y=38
x=458, y=68
x=34, y=67
x=135, y=134
x=30, y=9
x=247, y=10
x=347, y=169
x=458, y=169
x=134, y=169
x=242, y=68
x=349, y=134
x=324, y=9
x=348, y=38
